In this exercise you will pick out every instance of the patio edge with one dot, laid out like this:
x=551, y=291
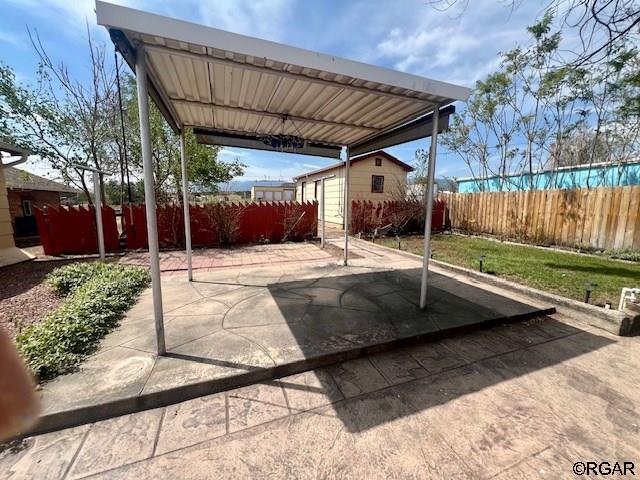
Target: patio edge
x=132, y=404
x=621, y=323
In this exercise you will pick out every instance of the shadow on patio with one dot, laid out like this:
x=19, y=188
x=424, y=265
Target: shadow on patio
x=365, y=310
x=245, y=326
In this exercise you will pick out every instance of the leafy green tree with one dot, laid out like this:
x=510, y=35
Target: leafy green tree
x=536, y=112
x=72, y=123
x=483, y=136
x=205, y=170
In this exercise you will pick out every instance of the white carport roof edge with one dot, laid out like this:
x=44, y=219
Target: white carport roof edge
x=123, y=18
x=128, y=26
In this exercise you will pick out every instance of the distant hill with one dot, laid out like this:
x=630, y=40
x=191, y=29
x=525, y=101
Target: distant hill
x=245, y=185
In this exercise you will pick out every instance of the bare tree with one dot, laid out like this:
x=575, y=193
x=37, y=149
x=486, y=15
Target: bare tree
x=66, y=121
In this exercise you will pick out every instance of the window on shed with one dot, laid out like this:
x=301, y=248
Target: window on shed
x=27, y=208
x=378, y=162
x=315, y=189
x=304, y=186
x=377, y=183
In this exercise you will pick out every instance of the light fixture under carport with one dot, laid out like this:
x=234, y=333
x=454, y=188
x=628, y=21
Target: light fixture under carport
x=235, y=91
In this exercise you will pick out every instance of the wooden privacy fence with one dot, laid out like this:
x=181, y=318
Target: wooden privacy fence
x=71, y=230
x=224, y=224
x=602, y=218
x=400, y=216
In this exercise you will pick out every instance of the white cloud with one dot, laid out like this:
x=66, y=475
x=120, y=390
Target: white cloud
x=12, y=39
x=459, y=50
x=259, y=18
x=440, y=46
x=233, y=153
x=72, y=14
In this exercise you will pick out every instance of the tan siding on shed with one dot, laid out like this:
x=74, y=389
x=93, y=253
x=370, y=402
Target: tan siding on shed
x=395, y=178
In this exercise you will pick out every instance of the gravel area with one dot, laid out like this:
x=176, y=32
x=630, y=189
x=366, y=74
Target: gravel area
x=24, y=298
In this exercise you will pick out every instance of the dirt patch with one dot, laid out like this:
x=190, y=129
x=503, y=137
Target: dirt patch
x=336, y=251
x=24, y=298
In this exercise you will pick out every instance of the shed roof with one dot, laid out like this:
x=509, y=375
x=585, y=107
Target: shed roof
x=242, y=91
x=380, y=153
x=13, y=149
x=19, y=179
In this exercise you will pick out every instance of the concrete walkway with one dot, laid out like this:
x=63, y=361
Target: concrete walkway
x=523, y=401
x=210, y=259
x=237, y=326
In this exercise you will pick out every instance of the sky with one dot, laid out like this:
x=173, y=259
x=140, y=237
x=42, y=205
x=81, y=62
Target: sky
x=411, y=36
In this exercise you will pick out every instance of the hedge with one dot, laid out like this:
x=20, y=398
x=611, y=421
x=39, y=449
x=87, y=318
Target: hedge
x=98, y=294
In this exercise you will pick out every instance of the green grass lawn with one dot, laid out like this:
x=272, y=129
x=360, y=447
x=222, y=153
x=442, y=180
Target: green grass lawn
x=557, y=272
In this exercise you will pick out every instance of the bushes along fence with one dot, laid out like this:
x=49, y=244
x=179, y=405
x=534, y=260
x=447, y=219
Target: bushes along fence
x=397, y=217
x=218, y=224
x=72, y=230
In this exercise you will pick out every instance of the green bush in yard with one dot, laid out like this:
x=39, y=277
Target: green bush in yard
x=66, y=279
x=624, y=254
x=97, y=294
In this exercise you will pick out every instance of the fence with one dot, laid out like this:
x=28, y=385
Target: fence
x=73, y=230
x=398, y=216
x=223, y=224
x=602, y=218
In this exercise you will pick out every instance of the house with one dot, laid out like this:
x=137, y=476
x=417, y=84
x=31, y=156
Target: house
x=9, y=253
x=376, y=177
x=283, y=192
x=26, y=191
x=576, y=176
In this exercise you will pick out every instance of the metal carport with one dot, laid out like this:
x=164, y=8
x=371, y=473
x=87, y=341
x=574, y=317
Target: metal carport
x=240, y=91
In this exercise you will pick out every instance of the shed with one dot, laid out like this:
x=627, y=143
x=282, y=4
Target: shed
x=375, y=177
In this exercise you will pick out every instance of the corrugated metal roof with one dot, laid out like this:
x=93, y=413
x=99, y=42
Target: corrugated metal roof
x=228, y=83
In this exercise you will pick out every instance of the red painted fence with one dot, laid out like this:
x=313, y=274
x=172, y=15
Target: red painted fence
x=224, y=224
x=398, y=216
x=71, y=230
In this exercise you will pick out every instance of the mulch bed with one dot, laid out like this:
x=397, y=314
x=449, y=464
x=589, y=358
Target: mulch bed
x=336, y=251
x=24, y=298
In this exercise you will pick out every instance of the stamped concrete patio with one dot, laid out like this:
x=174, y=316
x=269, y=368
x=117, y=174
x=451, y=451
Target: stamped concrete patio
x=240, y=325
x=520, y=401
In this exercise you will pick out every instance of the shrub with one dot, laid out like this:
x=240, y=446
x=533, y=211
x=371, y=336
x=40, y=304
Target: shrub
x=624, y=254
x=98, y=295
x=66, y=279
